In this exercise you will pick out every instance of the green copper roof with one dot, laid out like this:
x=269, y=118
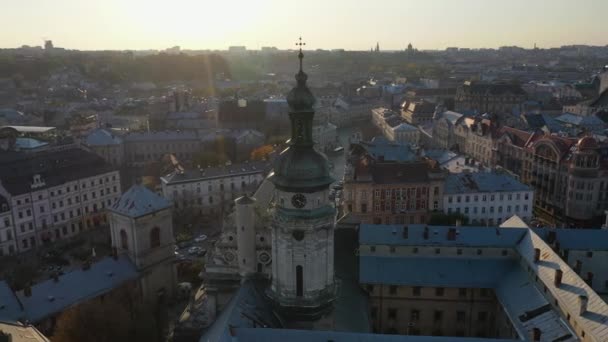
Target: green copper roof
x=300, y=168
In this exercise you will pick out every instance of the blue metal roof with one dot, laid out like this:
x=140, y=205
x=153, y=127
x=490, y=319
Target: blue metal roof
x=578, y=239
x=247, y=305
x=459, y=183
x=102, y=137
x=139, y=201
x=382, y=234
x=390, y=151
x=10, y=309
x=430, y=271
x=50, y=297
x=293, y=335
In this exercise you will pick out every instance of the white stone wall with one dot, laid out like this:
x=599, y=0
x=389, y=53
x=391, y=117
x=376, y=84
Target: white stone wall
x=311, y=247
x=490, y=206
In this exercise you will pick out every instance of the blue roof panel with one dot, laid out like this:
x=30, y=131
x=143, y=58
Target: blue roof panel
x=437, y=272
x=382, y=234
x=476, y=182
x=11, y=309
x=50, y=297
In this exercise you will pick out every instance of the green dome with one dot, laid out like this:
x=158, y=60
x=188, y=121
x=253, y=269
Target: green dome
x=301, y=170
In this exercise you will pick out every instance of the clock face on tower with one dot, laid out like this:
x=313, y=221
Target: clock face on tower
x=298, y=201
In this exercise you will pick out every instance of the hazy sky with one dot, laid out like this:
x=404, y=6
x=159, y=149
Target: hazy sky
x=349, y=24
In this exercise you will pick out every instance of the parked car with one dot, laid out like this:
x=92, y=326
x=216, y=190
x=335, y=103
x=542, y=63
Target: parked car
x=201, y=238
x=194, y=250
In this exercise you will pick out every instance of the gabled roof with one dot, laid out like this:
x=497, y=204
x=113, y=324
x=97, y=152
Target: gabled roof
x=514, y=222
x=19, y=332
x=139, y=201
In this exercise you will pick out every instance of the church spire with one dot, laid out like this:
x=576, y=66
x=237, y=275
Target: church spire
x=301, y=111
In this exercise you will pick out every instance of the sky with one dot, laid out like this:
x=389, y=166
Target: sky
x=323, y=24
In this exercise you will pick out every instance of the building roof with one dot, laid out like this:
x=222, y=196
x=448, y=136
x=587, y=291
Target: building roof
x=595, y=320
x=578, y=120
x=19, y=332
x=380, y=148
x=30, y=129
x=378, y=234
x=577, y=239
x=451, y=116
x=160, y=136
x=29, y=143
x=514, y=222
x=395, y=173
x=294, y=335
x=433, y=271
x=248, y=308
x=527, y=308
x=475, y=182
x=139, y=201
x=231, y=170
x=54, y=167
x=10, y=308
x=51, y=297
x=403, y=127
x=102, y=137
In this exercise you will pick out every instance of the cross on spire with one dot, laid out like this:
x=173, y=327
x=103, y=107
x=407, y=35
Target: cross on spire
x=300, y=55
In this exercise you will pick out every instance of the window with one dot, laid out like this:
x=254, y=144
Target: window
x=589, y=254
x=392, y=290
x=479, y=252
x=416, y=290
x=459, y=251
x=155, y=237
x=372, y=249
x=438, y=315
x=482, y=316
x=124, y=241
x=414, y=315
x=392, y=313
x=392, y=249
x=462, y=292
x=450, y=199
x=460, y=316
x=439, y=291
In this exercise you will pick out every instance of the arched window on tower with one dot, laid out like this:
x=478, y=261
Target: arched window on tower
x=299, y=281
x=124, y=241
x=155, y=237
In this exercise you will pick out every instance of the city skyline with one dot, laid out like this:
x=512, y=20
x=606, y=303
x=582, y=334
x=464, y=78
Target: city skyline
x=195, y=25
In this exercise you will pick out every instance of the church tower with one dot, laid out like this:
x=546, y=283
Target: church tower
x=304, y=218
x=141, y=227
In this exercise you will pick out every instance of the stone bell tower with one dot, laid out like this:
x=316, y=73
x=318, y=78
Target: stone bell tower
x=304, y=218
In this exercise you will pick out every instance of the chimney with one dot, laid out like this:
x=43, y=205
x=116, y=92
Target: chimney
x=458, y=222
x=55, y=277
x=558, y=277
x=589, y=279
x=536, y=255
x=556, y=246
x=27, y=291
x=425, y=235
x=583, y=301
x=536, y=335
x=451, y=234
x=578, y=266
x=551, y=236
x=405, y=232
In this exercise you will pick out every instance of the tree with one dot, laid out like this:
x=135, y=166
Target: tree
x=441, y=219
x=261, y=153
x=112, y=319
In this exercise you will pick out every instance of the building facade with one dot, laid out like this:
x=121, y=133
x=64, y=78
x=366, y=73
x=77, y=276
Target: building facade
x=8, y=244
x=387, y=182
x=489, y=98
x=417, y=112
x=57, y=195
x=487, y=198
x=208, y=190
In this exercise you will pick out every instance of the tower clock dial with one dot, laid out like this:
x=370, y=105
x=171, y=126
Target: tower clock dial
x=298, y=201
